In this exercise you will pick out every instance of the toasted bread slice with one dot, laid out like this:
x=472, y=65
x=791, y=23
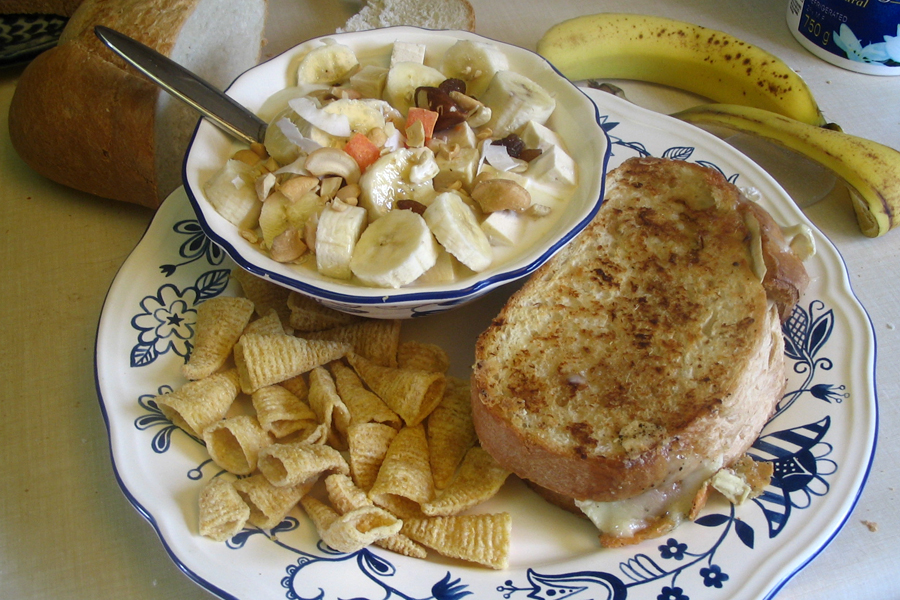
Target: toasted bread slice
x=647, y=349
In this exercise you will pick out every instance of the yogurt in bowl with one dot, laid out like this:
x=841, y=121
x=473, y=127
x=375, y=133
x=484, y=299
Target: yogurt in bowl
x=404, y=171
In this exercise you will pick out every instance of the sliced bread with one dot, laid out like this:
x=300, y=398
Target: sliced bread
x=431, y=14
x=39, y=7
x=82, y=117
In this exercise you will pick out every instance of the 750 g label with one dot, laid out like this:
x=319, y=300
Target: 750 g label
x=861, y=30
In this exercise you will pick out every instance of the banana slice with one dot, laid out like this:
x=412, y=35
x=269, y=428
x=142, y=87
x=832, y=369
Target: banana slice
x=338, y=231
x=390, y=178
x=475, y=63
x=273, y=218
x=278, y=101
x=300, y=211
x=514, y=100
x=232, y=193
x=402, y=81
x=288, y=136
x=328, y=64
x=454, y=225
x=363, y=116
x=394, y=251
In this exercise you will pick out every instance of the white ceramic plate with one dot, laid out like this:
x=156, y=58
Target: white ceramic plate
x=821, y=441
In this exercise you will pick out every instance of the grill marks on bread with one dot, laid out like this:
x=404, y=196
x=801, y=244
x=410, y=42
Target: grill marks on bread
x=650, y=334
x=633, y=334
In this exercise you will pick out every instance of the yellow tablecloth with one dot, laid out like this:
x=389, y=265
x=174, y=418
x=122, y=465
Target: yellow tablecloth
x=67, y=531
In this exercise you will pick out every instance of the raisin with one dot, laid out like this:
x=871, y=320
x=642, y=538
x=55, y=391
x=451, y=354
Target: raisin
x=453, y=85
x=449, y=112
x=416, y=207
x=529, y=154
x=514, y=144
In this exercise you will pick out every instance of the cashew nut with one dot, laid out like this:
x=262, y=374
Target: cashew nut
x=247, y=156
x=477, y=114
x=501, y=194
x=287, y=246
x=465, y=102
x=330, y=186
x=264, y=185
x=295, y=187
x=332, y=161
x=423, y=167
x=349, y=194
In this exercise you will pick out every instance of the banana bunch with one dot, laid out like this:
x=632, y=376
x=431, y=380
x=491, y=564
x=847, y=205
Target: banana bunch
x=758, y=94
x=870, y=170
x=682, y=55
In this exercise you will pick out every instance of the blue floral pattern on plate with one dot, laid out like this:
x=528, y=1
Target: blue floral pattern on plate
x=820, y=440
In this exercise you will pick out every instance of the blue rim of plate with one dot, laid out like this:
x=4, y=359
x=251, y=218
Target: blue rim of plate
x=865, y=392
x=410, y=297
x=871, y=458
x=205, y=583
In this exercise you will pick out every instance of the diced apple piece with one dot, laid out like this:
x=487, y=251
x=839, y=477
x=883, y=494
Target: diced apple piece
x=443, y=271
x=540, y=136
x=503, y=227
x=457, y=167
x=407, y=52
x=554, y=171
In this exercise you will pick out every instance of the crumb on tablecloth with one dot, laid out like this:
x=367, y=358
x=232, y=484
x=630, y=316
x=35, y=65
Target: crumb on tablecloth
x=871, y=525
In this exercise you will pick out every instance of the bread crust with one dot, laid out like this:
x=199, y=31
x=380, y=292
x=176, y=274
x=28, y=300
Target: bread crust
x=40, y=7
x=115, y=158
x=646, y=349
x=84, y=118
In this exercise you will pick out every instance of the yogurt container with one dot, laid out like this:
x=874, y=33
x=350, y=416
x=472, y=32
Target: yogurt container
x=859, y=35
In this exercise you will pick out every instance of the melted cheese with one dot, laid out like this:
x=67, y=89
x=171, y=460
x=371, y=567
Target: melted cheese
x=756, y=252
x=801, y=241
x=624, y=518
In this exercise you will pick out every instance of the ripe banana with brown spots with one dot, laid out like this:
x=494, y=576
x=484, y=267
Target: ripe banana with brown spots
x=870, y=170
x=704, y=61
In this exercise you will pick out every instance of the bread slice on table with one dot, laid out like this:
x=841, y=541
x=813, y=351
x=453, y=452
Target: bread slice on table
x=646, y=355
x=432, y=14
x=82, y=117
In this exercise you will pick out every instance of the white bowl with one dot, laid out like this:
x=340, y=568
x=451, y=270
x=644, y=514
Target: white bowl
x=575, y=120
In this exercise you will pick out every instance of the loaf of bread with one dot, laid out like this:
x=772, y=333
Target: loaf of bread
x=433, y=14
x=84, y=118
x=646, y=351
x=64, y=8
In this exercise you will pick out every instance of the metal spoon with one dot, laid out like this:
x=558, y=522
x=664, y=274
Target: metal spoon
x=186, y=86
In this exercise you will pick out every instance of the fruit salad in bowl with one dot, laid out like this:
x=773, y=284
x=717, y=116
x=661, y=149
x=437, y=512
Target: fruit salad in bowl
x=403, y=171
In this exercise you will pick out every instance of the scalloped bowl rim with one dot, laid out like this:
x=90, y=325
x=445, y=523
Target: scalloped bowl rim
x=245, y=89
